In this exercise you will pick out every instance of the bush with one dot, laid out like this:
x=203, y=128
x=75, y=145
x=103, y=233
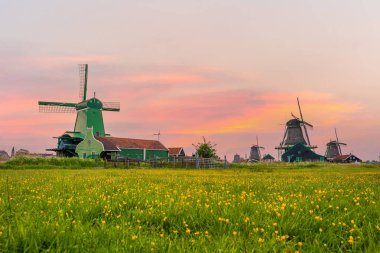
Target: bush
x=24, y=162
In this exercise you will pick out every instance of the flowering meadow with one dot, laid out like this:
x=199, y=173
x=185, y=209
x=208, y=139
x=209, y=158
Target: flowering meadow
x=329, y=208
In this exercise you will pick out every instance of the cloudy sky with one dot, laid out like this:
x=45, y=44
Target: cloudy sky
x=226, y=70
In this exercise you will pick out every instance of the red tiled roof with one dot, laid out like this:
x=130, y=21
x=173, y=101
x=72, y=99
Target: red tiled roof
x=341, y=157
x=349, y=157
x=174, y=151
x=115, y=143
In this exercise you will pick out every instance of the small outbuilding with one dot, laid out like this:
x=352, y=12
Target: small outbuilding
x=268, y=158
x=346, y=159
x=22, y=152
x=176, y=152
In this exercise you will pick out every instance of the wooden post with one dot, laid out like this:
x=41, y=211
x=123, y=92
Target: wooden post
x=197, y=161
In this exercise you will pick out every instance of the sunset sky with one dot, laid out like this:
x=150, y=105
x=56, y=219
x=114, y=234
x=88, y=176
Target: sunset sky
x=226, y=70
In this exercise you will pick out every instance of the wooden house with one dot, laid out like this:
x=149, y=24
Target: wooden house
x=301, y=153
x=346, y=159
x=268, y=158
x=176, y=152
x=114, y=147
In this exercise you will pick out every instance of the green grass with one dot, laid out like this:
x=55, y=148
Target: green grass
x=261, y=208
x=23, y=162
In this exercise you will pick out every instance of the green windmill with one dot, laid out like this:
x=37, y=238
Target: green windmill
x=89, y=115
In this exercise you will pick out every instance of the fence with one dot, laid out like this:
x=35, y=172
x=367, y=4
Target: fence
x=171, y=162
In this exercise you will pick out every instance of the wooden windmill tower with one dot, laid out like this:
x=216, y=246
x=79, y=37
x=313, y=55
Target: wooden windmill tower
x=89, y=115
x=255, y=154
x=333, y=148
x=295, y=132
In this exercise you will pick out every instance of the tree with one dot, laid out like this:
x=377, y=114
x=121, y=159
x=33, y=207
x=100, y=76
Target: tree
x=205, y=149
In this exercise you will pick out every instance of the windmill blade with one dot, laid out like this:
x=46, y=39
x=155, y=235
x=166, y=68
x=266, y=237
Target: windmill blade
x=304, y=126
x=308, y=124
x=337, y=141
x=111, y=106
x=56, y=107
x=295, y=117
x=83, y=70
x=283, y=139
x=262, y=147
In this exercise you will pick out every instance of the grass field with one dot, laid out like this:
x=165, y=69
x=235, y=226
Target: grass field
x=268, y=208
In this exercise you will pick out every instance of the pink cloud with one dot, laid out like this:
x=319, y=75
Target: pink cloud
x=185, y=103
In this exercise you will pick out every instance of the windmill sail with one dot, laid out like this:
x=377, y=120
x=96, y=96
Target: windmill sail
x=83, y=74
x=56, y=107
x=111, y=106
x=337, y=140
x=304, y=127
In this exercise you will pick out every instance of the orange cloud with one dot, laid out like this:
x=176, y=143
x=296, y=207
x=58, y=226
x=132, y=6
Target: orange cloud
x=184, y=103
x=243, y=110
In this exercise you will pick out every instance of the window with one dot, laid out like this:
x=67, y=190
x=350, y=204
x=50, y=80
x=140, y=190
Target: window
x=93, y=154
x=84, y=155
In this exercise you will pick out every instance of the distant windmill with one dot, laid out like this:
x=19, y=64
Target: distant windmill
x=89, y=115
x=294, y=134
x=255, y=155
x=333, y=148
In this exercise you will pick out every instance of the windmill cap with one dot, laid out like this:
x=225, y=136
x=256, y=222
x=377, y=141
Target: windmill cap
x=293, y=123
x=93, y=103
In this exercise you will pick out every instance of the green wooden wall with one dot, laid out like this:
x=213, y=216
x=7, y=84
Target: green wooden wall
x=132, y=153
x=89, y=147
x=139, y=153
x=151, y=154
